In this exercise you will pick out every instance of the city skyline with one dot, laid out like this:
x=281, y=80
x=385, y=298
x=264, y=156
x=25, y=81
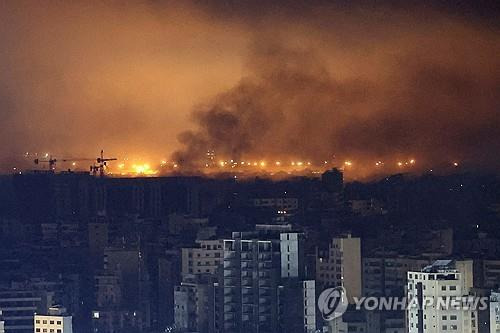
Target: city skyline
x=249, y=166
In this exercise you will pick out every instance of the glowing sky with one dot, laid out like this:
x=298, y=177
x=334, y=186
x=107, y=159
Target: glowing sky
x=249, y=79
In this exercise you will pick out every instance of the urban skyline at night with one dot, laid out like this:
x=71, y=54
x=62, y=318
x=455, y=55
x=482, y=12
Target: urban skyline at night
x=237, y=166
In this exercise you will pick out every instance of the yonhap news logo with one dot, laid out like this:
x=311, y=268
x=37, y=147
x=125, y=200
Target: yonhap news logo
x=333, y=303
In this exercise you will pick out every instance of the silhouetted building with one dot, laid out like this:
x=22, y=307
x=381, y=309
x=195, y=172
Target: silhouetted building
x=333, y=180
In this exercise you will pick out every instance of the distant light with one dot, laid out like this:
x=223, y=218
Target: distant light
x=400, y=164
x=308, y=163
x=293, y=163
x=299, y=163
x=326, y=162
x=73, y=164
x=176, y=165
x=255, y=163
x=121, y=166
x=221, y=163
x=46, y=154
x=262, y=164
x=348, y=163
x=278, y=163
x=455, y=164
x=163, y=162
x=412, y=161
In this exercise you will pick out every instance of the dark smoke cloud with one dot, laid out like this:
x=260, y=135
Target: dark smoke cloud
x=290, y=79
x=361, y=90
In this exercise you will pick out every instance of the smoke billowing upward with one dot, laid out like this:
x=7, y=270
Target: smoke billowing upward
x=263, y=80
x=427, y=90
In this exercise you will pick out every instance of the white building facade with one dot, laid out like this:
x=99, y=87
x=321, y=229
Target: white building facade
x=495, y=312
x=431, y=293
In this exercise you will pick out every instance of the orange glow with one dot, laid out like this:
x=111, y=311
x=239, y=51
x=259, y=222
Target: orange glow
x=143, y=169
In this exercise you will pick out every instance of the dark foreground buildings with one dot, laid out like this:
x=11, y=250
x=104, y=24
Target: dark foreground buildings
x=192, y=254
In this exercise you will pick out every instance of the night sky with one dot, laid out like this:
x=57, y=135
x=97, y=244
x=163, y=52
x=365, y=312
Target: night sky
x=252, y=80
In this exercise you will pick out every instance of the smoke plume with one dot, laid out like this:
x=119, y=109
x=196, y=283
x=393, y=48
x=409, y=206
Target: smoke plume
x=373, y=91
x=255, y=80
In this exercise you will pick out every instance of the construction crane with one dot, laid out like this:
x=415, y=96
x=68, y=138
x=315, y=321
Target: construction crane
x=102, y=163
x=51, y=162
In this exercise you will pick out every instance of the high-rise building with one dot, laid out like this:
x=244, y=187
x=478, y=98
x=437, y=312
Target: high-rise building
x=248, y=284
x=194, y=305
x=340, y=265
x=18, y=308
x=185, y=307
x=433, y=287
x=168, y=277
x=297, y=302
x=128, y=266
x=386, y=275
x=202, y=260
x=55, y=321
x=292, y=255
x=97, y=240
x=495, y=312
x=260, y=284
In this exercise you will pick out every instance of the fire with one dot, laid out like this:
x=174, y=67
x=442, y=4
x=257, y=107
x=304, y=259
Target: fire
x=143, y=169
